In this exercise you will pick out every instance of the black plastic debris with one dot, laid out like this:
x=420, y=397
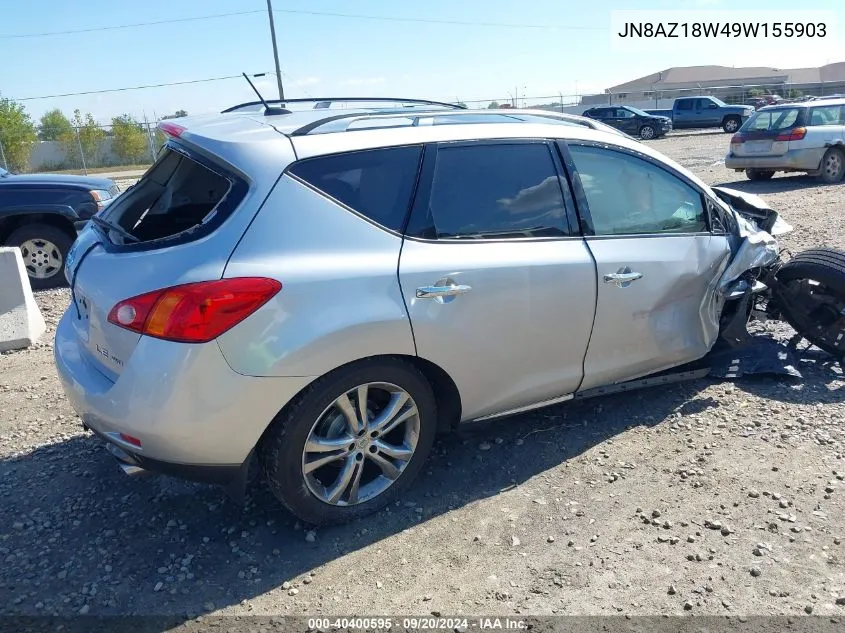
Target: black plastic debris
x=762, y=355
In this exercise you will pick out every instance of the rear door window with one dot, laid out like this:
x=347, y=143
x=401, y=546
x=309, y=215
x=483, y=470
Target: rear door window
x=493, y=191
x=684, y=104
x=377, y=184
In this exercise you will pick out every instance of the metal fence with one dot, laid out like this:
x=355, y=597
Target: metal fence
x=87, y=148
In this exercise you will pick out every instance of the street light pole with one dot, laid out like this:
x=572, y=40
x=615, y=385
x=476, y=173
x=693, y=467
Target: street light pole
x=275, y=51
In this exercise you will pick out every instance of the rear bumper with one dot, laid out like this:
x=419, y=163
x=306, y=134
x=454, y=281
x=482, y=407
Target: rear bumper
x=190, y=410
x=793, y=160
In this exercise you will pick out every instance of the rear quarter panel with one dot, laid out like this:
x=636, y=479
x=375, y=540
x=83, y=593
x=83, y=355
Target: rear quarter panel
x=340, y=299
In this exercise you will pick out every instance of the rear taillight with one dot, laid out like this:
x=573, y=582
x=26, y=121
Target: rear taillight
x=736, y=139
x=795, y=134
x=196, y=312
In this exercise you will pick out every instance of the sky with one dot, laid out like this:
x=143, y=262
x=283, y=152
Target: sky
x=437, y=49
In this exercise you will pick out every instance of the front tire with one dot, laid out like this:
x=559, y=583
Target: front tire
x=813, y=297
x=328, y=465
x=731, y=124
x=646, y=132
x=44, y=249
x=759, y=174
x=832, y=167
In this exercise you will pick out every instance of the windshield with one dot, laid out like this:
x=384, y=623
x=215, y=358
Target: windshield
x=772, y=120
x=637, y=111
x=3, y=172
x=719, y=102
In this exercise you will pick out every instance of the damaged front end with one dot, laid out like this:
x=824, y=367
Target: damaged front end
x=747, y=283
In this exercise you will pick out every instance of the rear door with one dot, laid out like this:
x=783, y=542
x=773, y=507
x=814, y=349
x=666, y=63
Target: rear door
x=499, y=287
x=682, y=113
x=175, y=211
x=657, y=263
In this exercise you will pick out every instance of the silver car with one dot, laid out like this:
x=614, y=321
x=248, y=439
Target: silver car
x=325, y=290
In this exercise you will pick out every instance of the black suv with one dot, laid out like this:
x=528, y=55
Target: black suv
x=42, y=213
x=632, y=121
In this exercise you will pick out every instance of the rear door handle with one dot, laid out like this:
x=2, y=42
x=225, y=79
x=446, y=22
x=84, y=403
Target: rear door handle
x=427, y=292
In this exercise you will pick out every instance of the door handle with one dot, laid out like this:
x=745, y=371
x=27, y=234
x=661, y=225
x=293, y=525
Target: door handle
x=427, y=292
x=623, y=278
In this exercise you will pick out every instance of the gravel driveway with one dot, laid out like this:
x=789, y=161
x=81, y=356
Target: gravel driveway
x=706, y=498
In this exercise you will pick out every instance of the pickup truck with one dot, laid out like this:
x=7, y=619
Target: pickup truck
x=703, y=112
x=42, y=213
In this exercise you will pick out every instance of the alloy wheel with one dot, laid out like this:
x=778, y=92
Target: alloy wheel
x=361, y=443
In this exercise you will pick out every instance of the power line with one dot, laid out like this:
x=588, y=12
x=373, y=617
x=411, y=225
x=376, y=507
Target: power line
x=128, y=26
x=355, y=16
x=96, y=92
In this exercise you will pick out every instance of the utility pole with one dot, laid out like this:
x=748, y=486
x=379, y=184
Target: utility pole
x=275, y=51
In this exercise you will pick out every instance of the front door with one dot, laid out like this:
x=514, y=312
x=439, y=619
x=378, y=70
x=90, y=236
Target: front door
x=500, y=289
x=657, y=265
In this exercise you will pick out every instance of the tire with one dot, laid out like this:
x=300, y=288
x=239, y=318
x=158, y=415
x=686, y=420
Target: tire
x=832, y=167
x=821, y=325
x=283, y=446
x=646, y=132
x=759, y=174
x=44, y=249
x=731, y=124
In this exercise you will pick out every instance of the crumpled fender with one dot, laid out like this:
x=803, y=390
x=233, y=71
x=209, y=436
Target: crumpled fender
x=754, y=242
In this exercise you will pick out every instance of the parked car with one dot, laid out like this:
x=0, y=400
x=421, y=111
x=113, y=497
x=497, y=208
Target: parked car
x=704, y=112
x=631, y=120
x=42, y=213
x=323, y=292
x=796, y=137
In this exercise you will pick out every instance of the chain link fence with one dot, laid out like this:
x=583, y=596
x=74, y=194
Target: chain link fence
x=92, y=148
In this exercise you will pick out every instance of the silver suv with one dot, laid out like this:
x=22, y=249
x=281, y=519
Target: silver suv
x=323, y=290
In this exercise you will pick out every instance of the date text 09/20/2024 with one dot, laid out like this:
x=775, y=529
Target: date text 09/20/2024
x=632, y=30
x=414, y=623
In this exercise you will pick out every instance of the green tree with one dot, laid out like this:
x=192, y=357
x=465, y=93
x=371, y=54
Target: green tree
x=17, y=134
x=84, y=133
x=756, y=92
x=130, y=141
x=794, y=93
x=53, y=124
x=494, y=105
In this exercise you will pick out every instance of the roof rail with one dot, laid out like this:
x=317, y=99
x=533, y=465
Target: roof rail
x=325, y=102
x=352, y=117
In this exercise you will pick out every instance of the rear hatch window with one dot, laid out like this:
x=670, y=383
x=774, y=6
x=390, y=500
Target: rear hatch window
x=182, y=197
x=772, y=122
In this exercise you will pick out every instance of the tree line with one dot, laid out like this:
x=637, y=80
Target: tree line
x=80, y=132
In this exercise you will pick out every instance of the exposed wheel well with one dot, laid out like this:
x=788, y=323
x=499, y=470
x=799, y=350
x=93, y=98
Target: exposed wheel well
x=10, y=224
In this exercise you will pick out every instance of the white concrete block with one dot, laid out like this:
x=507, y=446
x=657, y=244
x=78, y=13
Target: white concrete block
x=21, y=322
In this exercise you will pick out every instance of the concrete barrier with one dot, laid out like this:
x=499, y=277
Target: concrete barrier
x=21, y=322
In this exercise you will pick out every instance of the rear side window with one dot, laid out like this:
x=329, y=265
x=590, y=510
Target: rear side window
x=378, y=183
x=684, y=104
x=495, y=191
x=826, y=115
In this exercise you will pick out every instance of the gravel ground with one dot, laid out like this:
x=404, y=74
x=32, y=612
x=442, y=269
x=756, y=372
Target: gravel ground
x=707, y=497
